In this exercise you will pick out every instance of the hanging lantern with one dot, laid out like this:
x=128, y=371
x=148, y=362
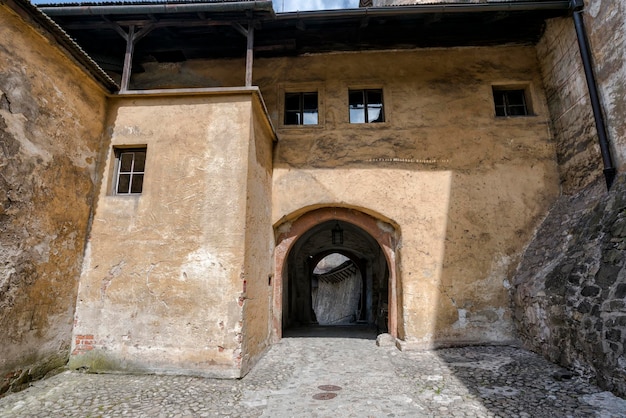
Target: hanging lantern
x=337, y=234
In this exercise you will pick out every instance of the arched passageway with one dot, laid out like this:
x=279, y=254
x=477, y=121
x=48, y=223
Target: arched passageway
x=335, y=266
x=340, y=291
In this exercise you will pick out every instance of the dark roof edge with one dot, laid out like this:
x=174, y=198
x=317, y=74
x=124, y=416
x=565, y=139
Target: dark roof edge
x=432, y=8
x=32, y=14
x=238, y=6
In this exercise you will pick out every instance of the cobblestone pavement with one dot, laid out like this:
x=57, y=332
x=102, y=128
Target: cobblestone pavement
x=333, y=377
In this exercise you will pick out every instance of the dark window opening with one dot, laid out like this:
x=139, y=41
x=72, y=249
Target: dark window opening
x=130, y=171
x=510, y=102
x=301, y=108
x=366, y=106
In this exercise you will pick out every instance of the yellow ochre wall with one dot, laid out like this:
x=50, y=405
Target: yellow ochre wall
x=464, y=188
x=162, y=287
x=51, y=122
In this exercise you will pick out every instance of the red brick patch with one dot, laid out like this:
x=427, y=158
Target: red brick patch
x=83, y=343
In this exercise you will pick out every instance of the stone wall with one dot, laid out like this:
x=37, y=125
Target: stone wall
x=573, y=125
x=569, y=291
x=51, y=120
x=336, y=297
x=570, y=287
x=578, y=152
x=605, y=21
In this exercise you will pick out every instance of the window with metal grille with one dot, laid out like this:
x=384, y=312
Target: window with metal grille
x=509, y=102
x=366, y=106
x=301, y=108
x=130, y=171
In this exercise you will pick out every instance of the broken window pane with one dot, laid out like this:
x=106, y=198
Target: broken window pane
x=375, y=106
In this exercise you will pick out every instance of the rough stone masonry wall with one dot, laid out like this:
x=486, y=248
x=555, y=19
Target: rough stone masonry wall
x=50, y=124
x=578, y=152
x=605, y=21
x=574, y=129
x=569, y=291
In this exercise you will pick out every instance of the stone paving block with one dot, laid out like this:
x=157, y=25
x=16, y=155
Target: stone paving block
x=335, y=377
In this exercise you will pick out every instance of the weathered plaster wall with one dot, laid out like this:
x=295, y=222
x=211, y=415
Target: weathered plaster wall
x=259, y=243
x=194, y=73
x=570, y=288
x=163, y=273
x=51, y=121
x=466, y=188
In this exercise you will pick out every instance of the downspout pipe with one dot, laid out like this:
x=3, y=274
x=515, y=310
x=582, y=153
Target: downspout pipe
x=585, y=53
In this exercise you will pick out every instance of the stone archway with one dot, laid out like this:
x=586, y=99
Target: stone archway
x=300, y=235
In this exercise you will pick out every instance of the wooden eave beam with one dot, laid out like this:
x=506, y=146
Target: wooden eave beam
x=239, y=28
x=131, y=38
x=106, y=24
x=249, y=55
x=249, y=34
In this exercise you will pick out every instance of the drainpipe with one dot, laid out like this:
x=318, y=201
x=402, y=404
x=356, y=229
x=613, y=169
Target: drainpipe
x=585, y=53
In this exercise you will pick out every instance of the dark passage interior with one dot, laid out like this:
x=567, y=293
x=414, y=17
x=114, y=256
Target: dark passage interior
x=337, y=283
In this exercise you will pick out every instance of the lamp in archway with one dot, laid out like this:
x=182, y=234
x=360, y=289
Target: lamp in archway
x=337, y=234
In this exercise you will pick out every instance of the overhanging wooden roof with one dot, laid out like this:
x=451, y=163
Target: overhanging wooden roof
x=183, y=30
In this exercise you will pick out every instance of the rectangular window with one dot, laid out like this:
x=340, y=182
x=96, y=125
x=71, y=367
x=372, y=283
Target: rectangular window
x=366, y=106
x=130, y=171
x=509, y=102
x=301, y=108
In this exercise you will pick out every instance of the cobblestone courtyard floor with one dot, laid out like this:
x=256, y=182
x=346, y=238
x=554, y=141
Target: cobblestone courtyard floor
x=333, y=377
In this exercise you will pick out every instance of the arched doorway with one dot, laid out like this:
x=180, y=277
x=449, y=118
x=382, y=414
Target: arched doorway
x=364, y=282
